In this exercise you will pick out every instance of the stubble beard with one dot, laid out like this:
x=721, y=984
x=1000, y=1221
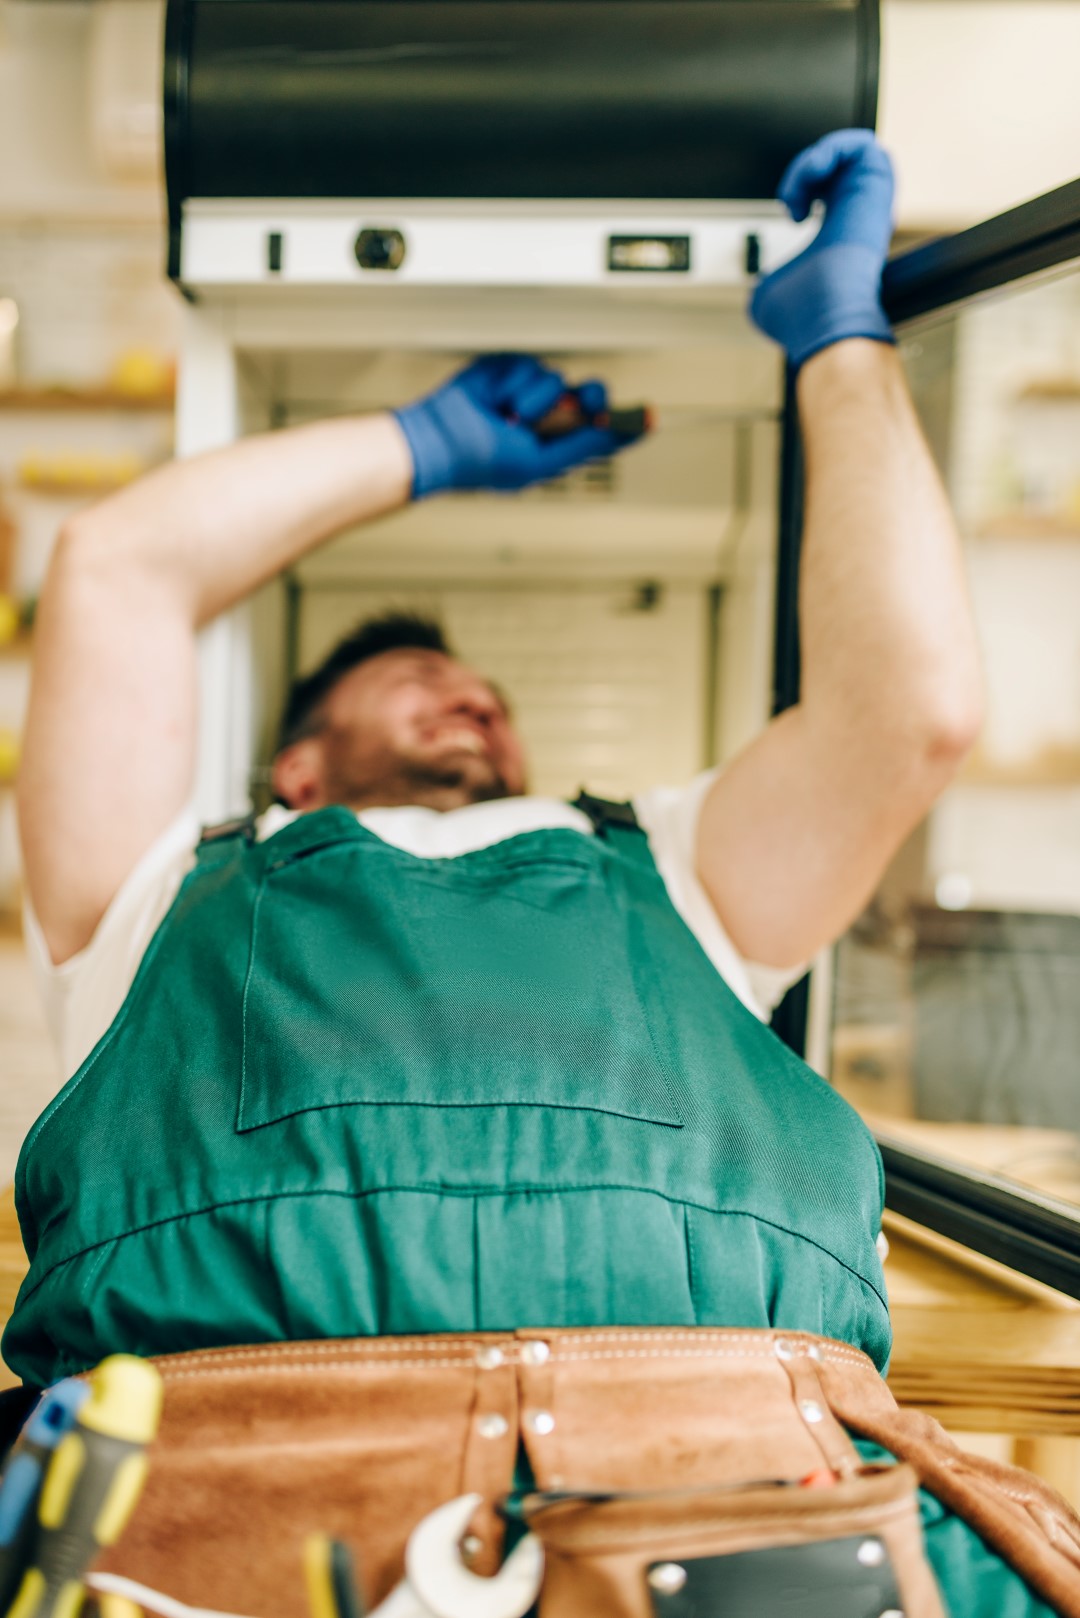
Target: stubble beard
x=445, y=786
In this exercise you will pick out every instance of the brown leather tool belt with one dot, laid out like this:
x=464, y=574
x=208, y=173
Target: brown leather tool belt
x=649, y=1448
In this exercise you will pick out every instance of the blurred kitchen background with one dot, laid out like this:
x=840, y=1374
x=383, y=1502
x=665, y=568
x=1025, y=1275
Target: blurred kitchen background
x=952, y=1011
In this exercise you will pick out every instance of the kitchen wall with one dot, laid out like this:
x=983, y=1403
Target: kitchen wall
x=1007, y=835
x=978, y=104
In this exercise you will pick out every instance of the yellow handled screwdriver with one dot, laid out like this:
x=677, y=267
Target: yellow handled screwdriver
x=94, y=1479
x=24, y=1473
x=330, y=1575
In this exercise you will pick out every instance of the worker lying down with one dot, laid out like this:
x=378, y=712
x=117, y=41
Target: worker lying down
x=466, y=1094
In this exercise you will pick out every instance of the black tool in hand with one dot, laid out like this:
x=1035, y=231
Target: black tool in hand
x=567, y=416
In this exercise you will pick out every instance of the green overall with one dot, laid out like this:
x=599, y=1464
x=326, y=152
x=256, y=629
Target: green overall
x=353, y=1091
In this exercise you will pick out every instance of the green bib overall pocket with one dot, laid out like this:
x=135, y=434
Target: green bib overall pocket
x=376, y=978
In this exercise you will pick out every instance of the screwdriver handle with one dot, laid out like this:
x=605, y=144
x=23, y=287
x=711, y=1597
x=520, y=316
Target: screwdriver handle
x=91, y=1487
x=567, y=416
x=52, y=1417
x=330, y=1575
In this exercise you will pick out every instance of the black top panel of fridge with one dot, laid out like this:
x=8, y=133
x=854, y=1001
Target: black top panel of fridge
x=679, y=99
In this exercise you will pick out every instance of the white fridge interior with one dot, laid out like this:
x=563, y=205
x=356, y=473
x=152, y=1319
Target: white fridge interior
x=626, y=609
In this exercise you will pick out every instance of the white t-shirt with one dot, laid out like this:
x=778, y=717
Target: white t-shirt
x=83, y=995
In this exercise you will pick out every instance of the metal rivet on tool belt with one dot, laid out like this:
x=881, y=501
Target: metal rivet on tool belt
x=814, y=1352
x=667, y=1577
x=471, y=1546
x=811, y=1410
x=491, y=1426
x=535, y=1353
x=489, y=1357
x=783, y=1349
x=540, y=1421
x=871, y=1553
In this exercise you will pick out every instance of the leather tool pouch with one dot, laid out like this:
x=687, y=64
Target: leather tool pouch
x=850, y=1549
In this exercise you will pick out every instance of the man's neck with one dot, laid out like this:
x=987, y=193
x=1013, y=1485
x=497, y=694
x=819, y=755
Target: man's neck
x=440, y=797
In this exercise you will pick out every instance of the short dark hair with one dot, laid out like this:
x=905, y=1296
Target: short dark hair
x=390, y=632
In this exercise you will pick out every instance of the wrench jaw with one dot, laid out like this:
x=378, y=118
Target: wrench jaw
x=437, y=1584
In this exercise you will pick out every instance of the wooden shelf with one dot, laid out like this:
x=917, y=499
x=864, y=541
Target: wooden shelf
x=18, y=646
x=1022, y=525
x=62, y=489
x=1051, y=390
x=978, y=1347
x=85, y=399
x=1049, y=767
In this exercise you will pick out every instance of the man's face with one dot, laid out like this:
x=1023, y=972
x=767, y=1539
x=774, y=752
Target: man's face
x=409, y=726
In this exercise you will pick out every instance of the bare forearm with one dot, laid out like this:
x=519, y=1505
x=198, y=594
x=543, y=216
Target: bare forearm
x=887, y=636
x=211, y=529
x=110, y=741
x=890, y=701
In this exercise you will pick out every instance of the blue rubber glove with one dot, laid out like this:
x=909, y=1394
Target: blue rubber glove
x=833, y=289
x=475, y=431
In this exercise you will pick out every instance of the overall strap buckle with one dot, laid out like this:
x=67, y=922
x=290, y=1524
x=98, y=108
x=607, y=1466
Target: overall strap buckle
x=242, y=826
x=604, y=813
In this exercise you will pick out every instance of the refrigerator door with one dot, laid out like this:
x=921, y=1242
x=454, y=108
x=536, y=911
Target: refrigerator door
x=948, y=1014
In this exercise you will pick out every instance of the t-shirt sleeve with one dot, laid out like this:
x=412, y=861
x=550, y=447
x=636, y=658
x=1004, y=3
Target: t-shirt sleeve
x=669, y=816
x=82, y=995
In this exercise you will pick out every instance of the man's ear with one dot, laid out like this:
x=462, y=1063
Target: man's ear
x=297, y=775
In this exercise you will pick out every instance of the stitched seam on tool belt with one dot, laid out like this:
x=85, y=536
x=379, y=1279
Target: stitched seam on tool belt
x=698, y=1334
x=300, y=1366
x=285, y=1359
x=686, y=1353
x=316, y=1370
x=363, y=1348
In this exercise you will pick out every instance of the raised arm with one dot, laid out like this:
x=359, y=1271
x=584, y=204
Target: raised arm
x=110, y=737
x=796, y=833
